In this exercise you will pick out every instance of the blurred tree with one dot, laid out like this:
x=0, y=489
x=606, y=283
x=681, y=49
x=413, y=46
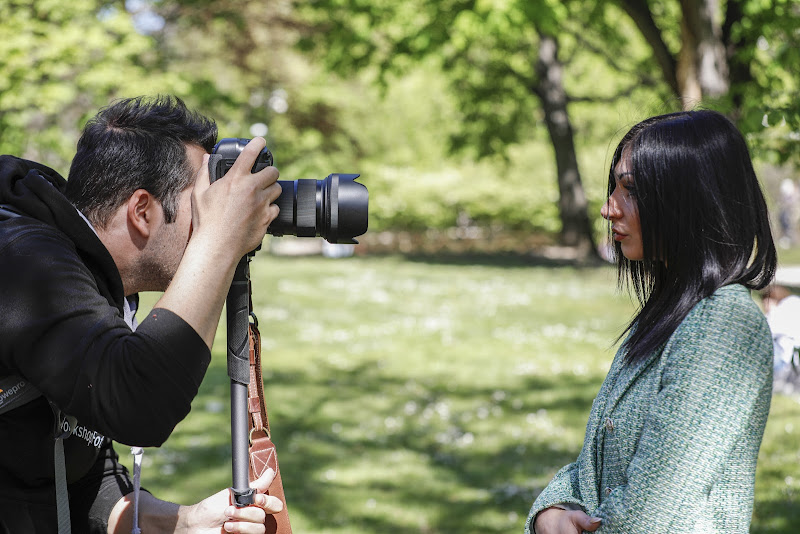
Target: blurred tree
x=246, y=74
x=740, y=56
x=60, y=63
x=509, y=63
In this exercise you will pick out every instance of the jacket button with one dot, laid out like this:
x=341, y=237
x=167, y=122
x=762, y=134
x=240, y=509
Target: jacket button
x=609, y=424
x=608, y=491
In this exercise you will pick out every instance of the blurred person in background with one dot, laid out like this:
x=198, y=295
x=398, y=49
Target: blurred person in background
x=782, y=309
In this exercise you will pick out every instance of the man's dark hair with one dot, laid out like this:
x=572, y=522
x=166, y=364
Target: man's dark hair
x=136, y=143
x=703, y=218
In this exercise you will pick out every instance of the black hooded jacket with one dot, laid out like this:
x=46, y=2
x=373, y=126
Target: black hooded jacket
x=62, y=331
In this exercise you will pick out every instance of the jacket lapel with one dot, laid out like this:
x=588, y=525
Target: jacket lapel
x=626, y=377
x=589, y=461
x=619, y=380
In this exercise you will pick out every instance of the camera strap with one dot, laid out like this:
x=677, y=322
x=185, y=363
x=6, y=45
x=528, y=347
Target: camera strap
x=263, y=454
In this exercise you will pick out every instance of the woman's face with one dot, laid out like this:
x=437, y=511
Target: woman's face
x=622, y=211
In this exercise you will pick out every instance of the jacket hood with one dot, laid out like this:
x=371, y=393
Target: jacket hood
x=37, y=191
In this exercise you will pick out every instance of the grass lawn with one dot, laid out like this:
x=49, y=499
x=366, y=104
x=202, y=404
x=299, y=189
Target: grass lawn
x=428, y=395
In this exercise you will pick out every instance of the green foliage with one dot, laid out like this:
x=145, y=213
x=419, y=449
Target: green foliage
x=383, y=88
x=60, y=62
x=487, y=50
x=763, y=47
x=428, y=394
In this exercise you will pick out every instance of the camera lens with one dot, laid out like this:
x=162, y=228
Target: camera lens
x=335, y=208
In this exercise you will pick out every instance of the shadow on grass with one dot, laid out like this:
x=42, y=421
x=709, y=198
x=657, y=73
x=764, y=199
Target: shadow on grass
x=502, y=259
x=420, y=474
x=451, y=485
x=776, y=515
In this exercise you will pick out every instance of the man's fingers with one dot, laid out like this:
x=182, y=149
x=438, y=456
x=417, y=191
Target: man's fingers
x=248, y=520
x=247, y=157
x=273, y=192
x=270, y=504
x=261, y=484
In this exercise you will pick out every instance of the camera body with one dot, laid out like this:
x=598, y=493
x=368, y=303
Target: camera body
x=335, y=208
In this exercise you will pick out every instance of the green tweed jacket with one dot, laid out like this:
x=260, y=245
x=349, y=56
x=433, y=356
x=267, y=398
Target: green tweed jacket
x=672, y=441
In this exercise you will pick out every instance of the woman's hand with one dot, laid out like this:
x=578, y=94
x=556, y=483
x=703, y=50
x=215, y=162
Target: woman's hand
x=558, y=521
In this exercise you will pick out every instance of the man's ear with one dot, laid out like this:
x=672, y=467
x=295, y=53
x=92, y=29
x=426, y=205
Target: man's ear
x=141, y=212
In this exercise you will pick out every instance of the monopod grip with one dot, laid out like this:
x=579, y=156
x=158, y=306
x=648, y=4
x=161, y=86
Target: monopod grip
x=238, y=316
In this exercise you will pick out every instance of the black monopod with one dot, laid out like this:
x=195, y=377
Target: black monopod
x=239, y=315
x=336, y=209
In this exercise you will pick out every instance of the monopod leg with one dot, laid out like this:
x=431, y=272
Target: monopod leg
x=238, y=323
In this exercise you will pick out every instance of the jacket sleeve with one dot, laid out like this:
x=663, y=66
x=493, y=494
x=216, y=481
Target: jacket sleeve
x=94, y=495
x=61, y=334
x=714, y=399
x=562, y=490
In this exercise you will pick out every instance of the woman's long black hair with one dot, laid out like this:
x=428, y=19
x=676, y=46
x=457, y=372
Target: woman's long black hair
x=703, y=217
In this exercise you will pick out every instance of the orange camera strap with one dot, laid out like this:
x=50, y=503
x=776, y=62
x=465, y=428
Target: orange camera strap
x=263, y=454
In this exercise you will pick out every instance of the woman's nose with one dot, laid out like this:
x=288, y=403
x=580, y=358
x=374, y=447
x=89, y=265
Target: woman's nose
x=610, y=210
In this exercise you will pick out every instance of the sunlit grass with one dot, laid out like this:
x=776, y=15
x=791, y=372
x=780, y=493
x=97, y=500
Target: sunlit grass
x=428, y=395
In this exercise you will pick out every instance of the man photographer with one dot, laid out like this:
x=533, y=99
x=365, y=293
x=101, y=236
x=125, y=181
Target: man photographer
x=137, y=214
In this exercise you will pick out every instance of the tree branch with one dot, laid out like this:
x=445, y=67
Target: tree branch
x=639, y=12
x=628, y=91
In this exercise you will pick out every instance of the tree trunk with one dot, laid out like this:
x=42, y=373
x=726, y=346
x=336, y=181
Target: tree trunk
x=576, y=230
x=702, y=63
x=701, y=69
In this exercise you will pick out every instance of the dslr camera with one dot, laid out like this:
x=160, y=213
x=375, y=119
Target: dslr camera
x=335, y=208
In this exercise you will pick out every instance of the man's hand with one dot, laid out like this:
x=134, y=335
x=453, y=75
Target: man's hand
x=229, y=219
x=218, y=511
x=235, y=211
x=213, y=515
x=558, y=521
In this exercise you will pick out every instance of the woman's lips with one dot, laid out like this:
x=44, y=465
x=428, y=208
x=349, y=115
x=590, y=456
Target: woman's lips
x=619, y=236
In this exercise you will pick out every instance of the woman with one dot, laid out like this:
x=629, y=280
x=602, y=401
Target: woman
x=673, y=436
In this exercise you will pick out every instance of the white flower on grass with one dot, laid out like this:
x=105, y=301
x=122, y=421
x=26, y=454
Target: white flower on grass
x=215, y=406
x=524, y=369
x=467, y=439
x=410, y=408
x=392, y=423
x=167, y=469
x=580, y=370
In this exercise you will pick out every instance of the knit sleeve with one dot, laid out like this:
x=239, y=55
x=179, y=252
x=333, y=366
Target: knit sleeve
x=562, y=491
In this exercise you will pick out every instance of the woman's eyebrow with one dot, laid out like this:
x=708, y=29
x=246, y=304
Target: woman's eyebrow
x=626, y=173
